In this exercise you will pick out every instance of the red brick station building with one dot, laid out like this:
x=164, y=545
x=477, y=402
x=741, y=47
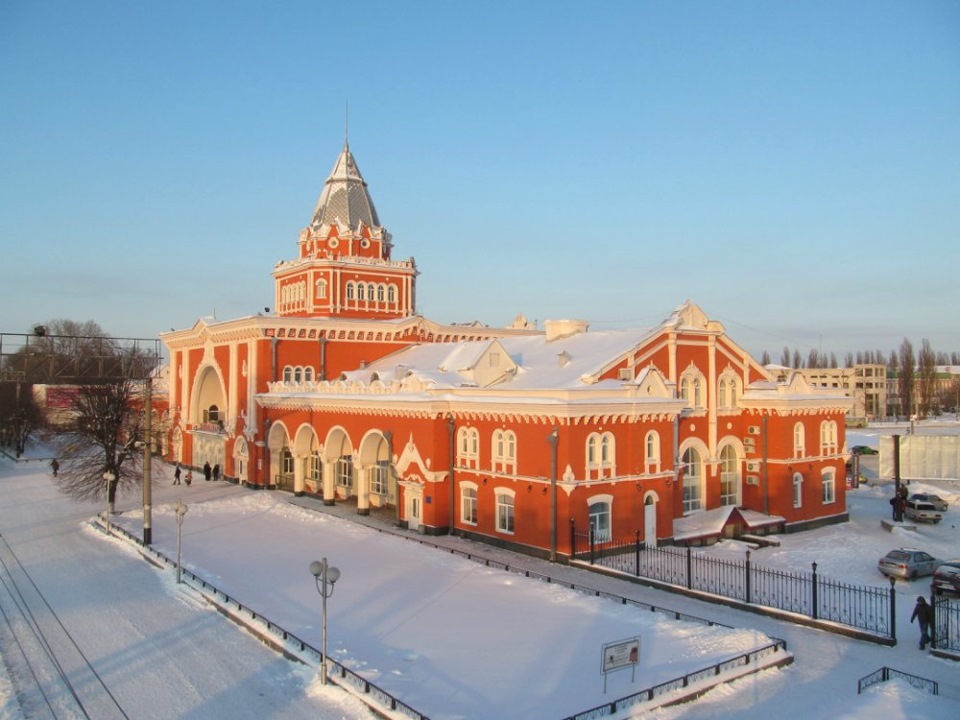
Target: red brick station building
x=500, y=434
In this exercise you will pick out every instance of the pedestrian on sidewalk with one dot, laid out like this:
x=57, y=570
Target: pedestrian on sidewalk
x=216, y=472
x=207, y=471
x=924, y=614
x=54, y=467
x=176, y=475
x=188, y=478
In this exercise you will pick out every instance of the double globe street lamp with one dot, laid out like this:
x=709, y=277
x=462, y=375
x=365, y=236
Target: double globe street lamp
x=325, y=576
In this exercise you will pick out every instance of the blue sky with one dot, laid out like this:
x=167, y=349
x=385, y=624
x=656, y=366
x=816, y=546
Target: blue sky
x=794, y=168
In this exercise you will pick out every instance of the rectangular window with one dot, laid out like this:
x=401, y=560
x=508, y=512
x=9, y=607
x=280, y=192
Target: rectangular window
x=505, y=514
x=829, y=489
x=379, y=476
x=316, y=469
x=468, y=511
x=345, y=472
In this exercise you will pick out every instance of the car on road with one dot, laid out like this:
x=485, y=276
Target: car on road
x=863, y=450
x=938, y=502
x=907, y=563
x=921, y=511
x=946, y=578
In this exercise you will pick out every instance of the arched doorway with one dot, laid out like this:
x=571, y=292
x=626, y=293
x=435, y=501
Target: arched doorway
x=650, y=520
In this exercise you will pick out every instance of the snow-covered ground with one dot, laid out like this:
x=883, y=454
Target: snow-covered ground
x=449, y=636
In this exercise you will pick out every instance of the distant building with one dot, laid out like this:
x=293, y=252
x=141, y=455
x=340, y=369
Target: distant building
x=508, y=435
x=865, y=383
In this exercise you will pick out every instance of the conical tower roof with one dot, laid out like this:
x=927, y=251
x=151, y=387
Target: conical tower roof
x=345, y=198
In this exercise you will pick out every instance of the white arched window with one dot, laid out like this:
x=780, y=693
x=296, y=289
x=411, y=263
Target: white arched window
x=351, y=290
x=692, y=389
x=729, y=476
x=468, y=503
x=391, y=294
x=797, y=490
x=600, y=518
x=504, y=456
x=321, y=289
x=468, y=446
x=828, y=437
x=361, y=292
x=829, y=487
x=505, y=511
x=601, y=453
x=798, y=441
x=692, y=481
x=652, y=451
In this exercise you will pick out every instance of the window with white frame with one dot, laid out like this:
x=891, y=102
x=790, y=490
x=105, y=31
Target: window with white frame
x=344, y=472
x=371, y=292
x=321, y=287
x=380, y=292
x=797, y=490
x=828, y=437
x=288, y=374
x=727, y=393
x=601, y=451
x=468, y=503
x=286, y=462
x=798, y=440
x=729, y=476
x=316, y=468
x=505, y=516
x=829, y=487
x=600, y=525
x=692, y=390
x=379, y=477
x=652, y=451
x=351, y=291
x=692, y=481
x=504, y=457
x=468, y=447
x=361, y=292
x=391, y=294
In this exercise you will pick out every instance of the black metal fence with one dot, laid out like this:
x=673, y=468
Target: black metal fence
x=946, y=623
x=885, y=673
x=284, y=639
x=872, y=609
x=671, y=687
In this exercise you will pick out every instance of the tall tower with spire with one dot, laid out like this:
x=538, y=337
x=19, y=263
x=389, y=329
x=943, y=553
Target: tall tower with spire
x=344, y=267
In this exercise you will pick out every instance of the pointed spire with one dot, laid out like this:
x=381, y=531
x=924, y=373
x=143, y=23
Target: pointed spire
x=345, y=198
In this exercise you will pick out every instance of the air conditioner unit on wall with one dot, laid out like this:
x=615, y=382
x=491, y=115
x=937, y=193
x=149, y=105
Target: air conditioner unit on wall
x=753, y=480
x=753, y=466
x=753, y=429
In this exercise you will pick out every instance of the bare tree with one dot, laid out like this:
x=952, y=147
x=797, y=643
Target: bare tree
x=108, y=429
x=927, y=379
x=765, y=358
x=785, y=357
x=797, y=360
x=905, y=384
x=19, y=415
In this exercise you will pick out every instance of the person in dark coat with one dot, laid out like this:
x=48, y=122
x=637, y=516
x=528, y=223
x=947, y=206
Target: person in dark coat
x=176, y=475
x=216, y=472
x=923, y=613
x=207, y=471
x=54, y=467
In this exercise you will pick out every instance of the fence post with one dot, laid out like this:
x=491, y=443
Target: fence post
x=591, y=544
x=573, y=540
x=747, y=578
x=933, y=620
x=815, y=608
x=893, y=610
x=689, y=568
x=636, y=555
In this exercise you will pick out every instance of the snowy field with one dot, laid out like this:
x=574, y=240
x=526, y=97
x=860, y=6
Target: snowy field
x=450, y=637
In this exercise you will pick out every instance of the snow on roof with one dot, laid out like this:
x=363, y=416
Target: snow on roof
x=710, y=523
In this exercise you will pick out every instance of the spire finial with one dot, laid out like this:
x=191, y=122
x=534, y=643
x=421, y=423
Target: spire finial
x=346, y=123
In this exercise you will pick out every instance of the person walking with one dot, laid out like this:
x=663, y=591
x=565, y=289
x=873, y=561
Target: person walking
x=176, y=475
x=923, y=613
x=54, y=467
x=216, y=472
x=188, y=478
x=207, y=471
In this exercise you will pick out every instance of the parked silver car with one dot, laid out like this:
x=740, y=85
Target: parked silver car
x=938, y=502
x=907, y=563
x=946, y=578
x=921, y=511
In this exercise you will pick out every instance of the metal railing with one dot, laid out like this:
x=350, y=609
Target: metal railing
x=290, y=642
x=945, y=633
x=886, y=673
x=671, y=687
x=872, y=609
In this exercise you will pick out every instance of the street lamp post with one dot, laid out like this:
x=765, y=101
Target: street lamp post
x=181, y=510
x=325, y=576
x=108, y=478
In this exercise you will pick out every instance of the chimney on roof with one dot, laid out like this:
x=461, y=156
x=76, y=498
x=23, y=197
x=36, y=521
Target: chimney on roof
x=559, y=329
